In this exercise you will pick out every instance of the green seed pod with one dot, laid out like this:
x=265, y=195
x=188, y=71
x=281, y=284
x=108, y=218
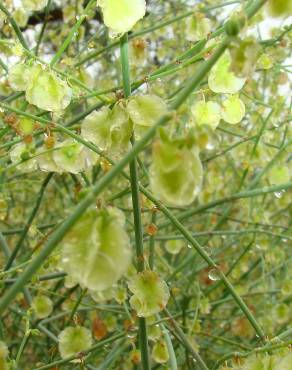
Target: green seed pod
x=18, y=76
x=71, y=156
x=73, y=340
x=121, y=16
x=42, y=306
x=222, y=79
x=280, y=8
x=109, y=129
x=232, y=27
x=176, y=172
x=34, y=5
x=174, y=246
x=26, y=126
x=160, y=352
x=150, y=293
x=96, y=252
x=3, y=356
x=46, y=90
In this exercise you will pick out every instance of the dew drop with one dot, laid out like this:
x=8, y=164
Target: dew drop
x=189, y=246
x=278, y=194
x=214, y=275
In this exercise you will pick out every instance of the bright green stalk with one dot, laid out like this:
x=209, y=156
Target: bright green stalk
x=143, y=339
x=69, y=38
x=172, y=357
x=4, y=246
x=173, y=325
x=14, y=25
x=29, y=222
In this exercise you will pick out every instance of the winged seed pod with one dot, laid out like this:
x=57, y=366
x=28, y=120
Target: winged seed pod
x=207, y=113
x=121, y=16
x=144, y=111
x=279, y=8
x=198, y=27
x=19, y=153
x=73, y=340
x=150, y=293
x=160, y=352
x=233, y=109
x=222, y=79
x=18, y=76
x=109, y=129
x=46, y=90
x=174, y=246
x=96, y=252
x=70, y=156
x=42, y=306
x=34, y=5
x=280, y=361
x=176, y=172
x=3, y=356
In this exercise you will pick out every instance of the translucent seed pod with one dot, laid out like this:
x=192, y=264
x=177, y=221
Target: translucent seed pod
x=121, y=16
x=42, y=306
x=207, y=113
x=174, y=246
x=73, y=340
x=46, y=90
x=150, y=293
x=109, y=129
x=198, y=27
x=34, y=5
x=71, y=156
x=96, y=252
x=144, y=111
x=222, y=80
x=233, y=109
x=18, y=76
x=176, y=172
x=160, y=352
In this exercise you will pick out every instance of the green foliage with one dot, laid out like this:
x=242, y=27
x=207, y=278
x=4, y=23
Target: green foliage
x=145, y=185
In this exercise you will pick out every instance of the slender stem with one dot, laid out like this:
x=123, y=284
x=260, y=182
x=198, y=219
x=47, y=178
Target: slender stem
x=4, y=246
x=185, y=341
x=143, y=338
x=69, y=38
x=14, y=26
x=29, y=222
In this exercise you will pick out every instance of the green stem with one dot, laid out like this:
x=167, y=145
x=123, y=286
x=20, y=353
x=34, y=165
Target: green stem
x=29, y=222
x=143, y=338
x=69, y=38
x=14, y=26
x=173, y=325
